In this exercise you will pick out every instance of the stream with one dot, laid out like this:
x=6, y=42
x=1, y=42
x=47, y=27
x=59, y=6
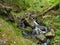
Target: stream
x=38, y=29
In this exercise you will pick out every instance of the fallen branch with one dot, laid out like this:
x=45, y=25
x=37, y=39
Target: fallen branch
x=47, y=10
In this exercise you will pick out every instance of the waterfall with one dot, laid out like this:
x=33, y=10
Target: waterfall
x=34, y=21
x=36, y=29
x=39, y=29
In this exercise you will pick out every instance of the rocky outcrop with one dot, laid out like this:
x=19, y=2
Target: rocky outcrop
x=39, y=32
x=41, y=37
x=51, y=33
x=30, y=21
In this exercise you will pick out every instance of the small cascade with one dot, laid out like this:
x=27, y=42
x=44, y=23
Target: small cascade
x=38, y=32
x=39, y=29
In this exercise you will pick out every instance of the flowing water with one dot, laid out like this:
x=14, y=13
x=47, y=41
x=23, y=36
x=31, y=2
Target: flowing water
x=41, y=29
x=46, y=42
x=36, y=31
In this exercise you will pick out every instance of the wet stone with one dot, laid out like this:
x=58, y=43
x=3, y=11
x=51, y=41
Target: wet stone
x=51, y=33
x=39, y=32
x=30, y=21
x=41, y=37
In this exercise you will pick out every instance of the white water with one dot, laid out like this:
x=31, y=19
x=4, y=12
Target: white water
x=35, y=22
x=38, y=28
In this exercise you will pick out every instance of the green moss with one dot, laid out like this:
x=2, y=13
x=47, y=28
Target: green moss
x=13, y=33
x=58, y=32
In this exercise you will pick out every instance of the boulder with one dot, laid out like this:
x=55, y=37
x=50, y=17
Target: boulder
x=30, y=21
x=41, y=37
x=51, y=33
